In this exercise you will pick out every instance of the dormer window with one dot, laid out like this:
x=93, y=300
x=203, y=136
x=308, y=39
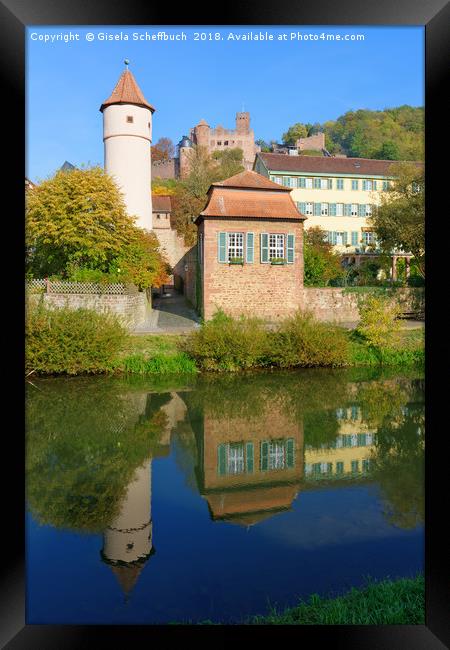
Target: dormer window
x=130, y=119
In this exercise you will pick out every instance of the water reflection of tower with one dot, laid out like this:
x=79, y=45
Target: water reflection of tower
x=127, y=542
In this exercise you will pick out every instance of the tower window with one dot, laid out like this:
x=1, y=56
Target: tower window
x=130, y=119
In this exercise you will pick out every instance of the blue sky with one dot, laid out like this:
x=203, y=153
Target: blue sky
x=279, y=81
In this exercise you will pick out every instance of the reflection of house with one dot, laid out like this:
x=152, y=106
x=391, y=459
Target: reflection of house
x=348, y=455
x=249, y=468
x=127, y=542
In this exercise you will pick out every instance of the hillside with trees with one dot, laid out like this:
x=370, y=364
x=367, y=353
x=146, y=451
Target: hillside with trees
x=391, y=134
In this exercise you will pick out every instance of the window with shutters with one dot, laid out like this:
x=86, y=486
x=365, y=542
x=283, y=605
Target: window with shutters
x=355, y=466
x=339, y=209
x=277, y=454
x=235, y=245
x=235, y=458
x=308, y=183
x=367, y=185
x=368, y=238
x=339, y=183
x=308, y=208
x=354, y=210
x=339, y=467
x=355, y=185
x=324, y=183
x=368, y=210
x=276, y=246
x=324, y=209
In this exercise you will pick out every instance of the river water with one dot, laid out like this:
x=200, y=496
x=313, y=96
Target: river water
x=187, y=499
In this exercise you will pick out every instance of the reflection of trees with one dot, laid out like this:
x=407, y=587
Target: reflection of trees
x=398, y=467
x=84, y=441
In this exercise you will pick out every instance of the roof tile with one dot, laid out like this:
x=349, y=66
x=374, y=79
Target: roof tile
x=127, y=92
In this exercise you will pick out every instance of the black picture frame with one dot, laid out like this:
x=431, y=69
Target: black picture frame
x=15, y=15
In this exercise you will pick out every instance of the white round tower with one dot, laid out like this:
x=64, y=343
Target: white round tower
x=127, y=137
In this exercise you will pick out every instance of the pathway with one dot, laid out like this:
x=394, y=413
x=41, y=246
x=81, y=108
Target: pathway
x=170, y=315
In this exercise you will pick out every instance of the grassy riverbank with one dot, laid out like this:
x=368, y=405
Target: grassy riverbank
x=83, y=342
x=398, y=602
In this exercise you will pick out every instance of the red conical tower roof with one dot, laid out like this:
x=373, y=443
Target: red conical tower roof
x=127, y=92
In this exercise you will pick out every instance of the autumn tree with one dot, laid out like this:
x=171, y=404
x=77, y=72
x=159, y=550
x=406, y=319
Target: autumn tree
x=77, y=221
x=399, y=220
x=164, y=149
x=229, y=163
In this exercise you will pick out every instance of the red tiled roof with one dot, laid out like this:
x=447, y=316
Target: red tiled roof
x=326, y=165
x=127, y=92
x=251, y=180
x=234, y=202
x=161, y=203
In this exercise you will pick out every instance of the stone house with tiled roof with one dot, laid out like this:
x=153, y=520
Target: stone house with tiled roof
x=250, y=249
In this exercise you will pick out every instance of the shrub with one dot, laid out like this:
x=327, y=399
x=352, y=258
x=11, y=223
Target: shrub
x=159, y=364
x=301, y=341
x=379, y=321
x=71, y=341
x=226, y=343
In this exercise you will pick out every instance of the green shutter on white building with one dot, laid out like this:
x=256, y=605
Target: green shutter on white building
x=344, y=238
x=317, y=209
x=364, y=185
x=264, y=247
x=249, y=457
x=250, y=248
x=374, y=185
x=332, y=209
x=347, y=209
x=222, y=246
x=290, y=248
x=264, y=456
x=330, y=183
x=221, y=459
x=354, y=238
x=361, y=210
x=301, y=182
x=302, y=207
x=316, y=183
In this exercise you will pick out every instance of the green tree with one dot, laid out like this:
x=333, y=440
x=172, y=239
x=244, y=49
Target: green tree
x=295, y=132
x=229, y=163
x=321, y=264
x=389, y=151
x=399, y=220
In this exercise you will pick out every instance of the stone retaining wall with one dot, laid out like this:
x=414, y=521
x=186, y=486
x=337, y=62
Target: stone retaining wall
x=336, y=304
x=132, y=308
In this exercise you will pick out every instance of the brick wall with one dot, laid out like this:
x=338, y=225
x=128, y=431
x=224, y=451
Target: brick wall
x=316, y=141
x=265, y=290
x=341, y=305
x=131, y=308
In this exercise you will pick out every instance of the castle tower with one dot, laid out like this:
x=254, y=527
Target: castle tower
x=243, y=122
x=202, y=133
x=127, y=136
x=127, y=542
x=184, y=153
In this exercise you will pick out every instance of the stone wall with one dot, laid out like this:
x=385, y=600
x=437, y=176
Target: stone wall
x=132, y=308
x=314, y=142
x=340, y=305
x=265, y=290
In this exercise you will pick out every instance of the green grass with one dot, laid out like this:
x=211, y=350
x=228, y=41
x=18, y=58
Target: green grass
x=407, y=350
x=387, y=602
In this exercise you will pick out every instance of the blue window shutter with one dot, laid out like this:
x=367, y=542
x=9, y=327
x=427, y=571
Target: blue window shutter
x=316, y=183
x=302, y=207
x=290, y=452
x=317, y=209
x=221, y=460
x=344, y=238
x=364, y=183
x=354, y=238
x=250, y=248
x=290, y=248
x=264, y=247
x=222, y=246
x=361, y=210
x=249, y=457
x=301, y=182
x=264, y=453
x=374, y=185
x=332, y=209
x=347, y=209
x=330, y=183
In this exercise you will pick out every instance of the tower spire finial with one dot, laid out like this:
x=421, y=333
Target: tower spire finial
x=127, y=63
